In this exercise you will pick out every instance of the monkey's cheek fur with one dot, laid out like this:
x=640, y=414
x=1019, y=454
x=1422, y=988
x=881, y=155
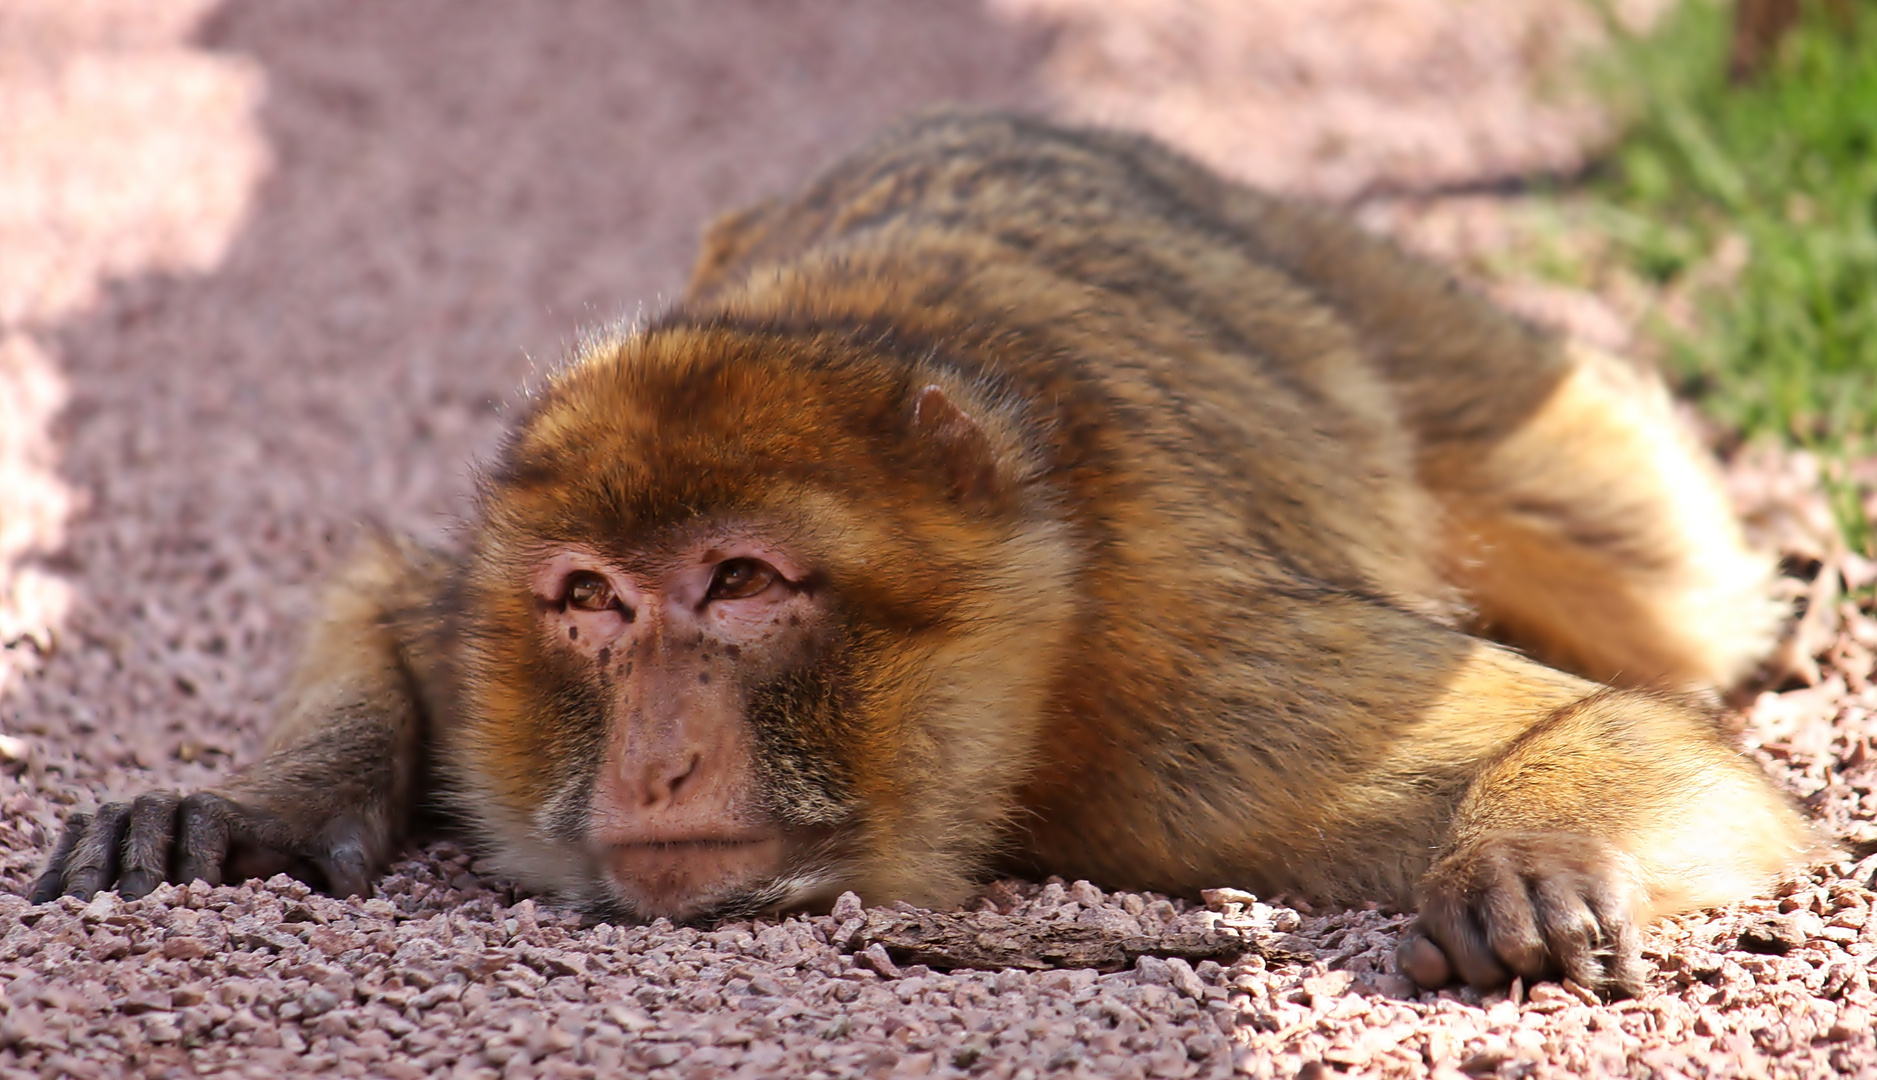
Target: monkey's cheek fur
x=683, y=880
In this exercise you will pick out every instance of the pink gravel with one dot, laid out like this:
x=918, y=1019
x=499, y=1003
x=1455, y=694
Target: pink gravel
x=271, y=268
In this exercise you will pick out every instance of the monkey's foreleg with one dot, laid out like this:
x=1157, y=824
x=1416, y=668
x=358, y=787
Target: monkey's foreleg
x=1610, y=812
x=331, y=800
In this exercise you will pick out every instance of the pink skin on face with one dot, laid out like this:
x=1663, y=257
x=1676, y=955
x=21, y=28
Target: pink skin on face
x=673, y=816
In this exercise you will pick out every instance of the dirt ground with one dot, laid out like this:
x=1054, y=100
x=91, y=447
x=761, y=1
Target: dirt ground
x=270, y=268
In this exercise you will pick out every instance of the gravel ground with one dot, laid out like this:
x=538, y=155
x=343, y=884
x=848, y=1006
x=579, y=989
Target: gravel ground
x=271, y=268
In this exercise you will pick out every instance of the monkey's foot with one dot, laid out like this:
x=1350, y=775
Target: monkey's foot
x=1535, y=905
x=161, y=836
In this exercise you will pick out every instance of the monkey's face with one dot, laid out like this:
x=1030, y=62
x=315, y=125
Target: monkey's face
x=737, y=635
x=679, y=651
x=660, y=725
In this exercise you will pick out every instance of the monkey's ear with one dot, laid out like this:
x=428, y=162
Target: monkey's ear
x=959, y=444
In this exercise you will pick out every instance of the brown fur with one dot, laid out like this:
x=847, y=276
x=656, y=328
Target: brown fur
x=1158, y=519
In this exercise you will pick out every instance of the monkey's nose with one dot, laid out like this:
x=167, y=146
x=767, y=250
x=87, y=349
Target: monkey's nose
x=667, y=781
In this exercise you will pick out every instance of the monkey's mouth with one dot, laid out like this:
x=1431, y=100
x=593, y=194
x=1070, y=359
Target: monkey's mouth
x=682, y=879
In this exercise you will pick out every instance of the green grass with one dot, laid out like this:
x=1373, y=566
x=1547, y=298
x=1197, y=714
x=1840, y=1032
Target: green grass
x=1782, y=172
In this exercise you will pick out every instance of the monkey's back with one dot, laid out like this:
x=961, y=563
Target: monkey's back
x=1253, y=356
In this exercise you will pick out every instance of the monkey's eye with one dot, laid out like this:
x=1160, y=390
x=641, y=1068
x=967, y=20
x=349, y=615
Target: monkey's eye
x=588, y=591
x=736, y=579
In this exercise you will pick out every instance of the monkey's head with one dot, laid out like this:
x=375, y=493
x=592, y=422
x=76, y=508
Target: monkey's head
x=753, y=615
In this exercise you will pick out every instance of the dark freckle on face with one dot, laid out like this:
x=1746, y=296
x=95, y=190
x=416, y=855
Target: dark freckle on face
x=703, y=676
x=606, y=657
x=795, y=620
x=573, y=633
x=733, y=651
x=628, y=667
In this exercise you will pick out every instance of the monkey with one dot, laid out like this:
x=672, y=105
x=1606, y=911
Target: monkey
x=1017, y=498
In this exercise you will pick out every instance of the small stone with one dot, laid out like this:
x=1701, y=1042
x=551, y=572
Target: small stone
x=1771, y=935
x=763, y=984
x=1485, y=1063
x=145, y=1001
x=109, y=947
x=318, y=1002
x=1216, y=899
x=1347, y=1057
x=1581, y=992
x=184, y=948
x=1153, y=971
x=1184, y=979
x=102, y=906
x=1330, y=984
x=874, y=956
x=1851, y=1023
x=161, y=1027
x=1395, y=986
x=563, y=963
x=632, y=1020
x=662, y=1055
x=847, y=907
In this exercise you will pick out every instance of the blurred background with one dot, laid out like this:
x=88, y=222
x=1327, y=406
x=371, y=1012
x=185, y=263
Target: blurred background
x=272, y=267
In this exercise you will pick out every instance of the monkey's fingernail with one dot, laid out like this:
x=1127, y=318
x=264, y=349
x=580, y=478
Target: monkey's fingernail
x=137, y=883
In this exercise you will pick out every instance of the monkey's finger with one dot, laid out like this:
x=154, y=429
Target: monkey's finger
x=1504, y=910
x=346, y=872
x=344, y=860
x=50, y=885
x=1622, y=941
x=1420, y=959
x=202, y=828
x=1571, y=929
x=92, y=867
x=1472, y=956
x=1454, y=927
x=262, y=844
x=144, y=860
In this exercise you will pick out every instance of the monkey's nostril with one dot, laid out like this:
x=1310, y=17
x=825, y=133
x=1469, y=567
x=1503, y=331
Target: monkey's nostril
x=682, y=778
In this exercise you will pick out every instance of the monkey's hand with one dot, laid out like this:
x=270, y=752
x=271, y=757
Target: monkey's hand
x=1607, y=813
x=207, y=836
x=343, y=775
x=1535, y=905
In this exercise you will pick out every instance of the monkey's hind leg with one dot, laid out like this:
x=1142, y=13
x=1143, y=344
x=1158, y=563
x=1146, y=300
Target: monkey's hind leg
x=1597, y=535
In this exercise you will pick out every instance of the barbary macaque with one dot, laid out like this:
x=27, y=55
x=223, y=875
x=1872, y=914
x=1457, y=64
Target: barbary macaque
x=1017, y=499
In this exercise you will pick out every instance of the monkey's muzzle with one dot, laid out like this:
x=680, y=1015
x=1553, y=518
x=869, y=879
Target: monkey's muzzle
x=681, y=879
